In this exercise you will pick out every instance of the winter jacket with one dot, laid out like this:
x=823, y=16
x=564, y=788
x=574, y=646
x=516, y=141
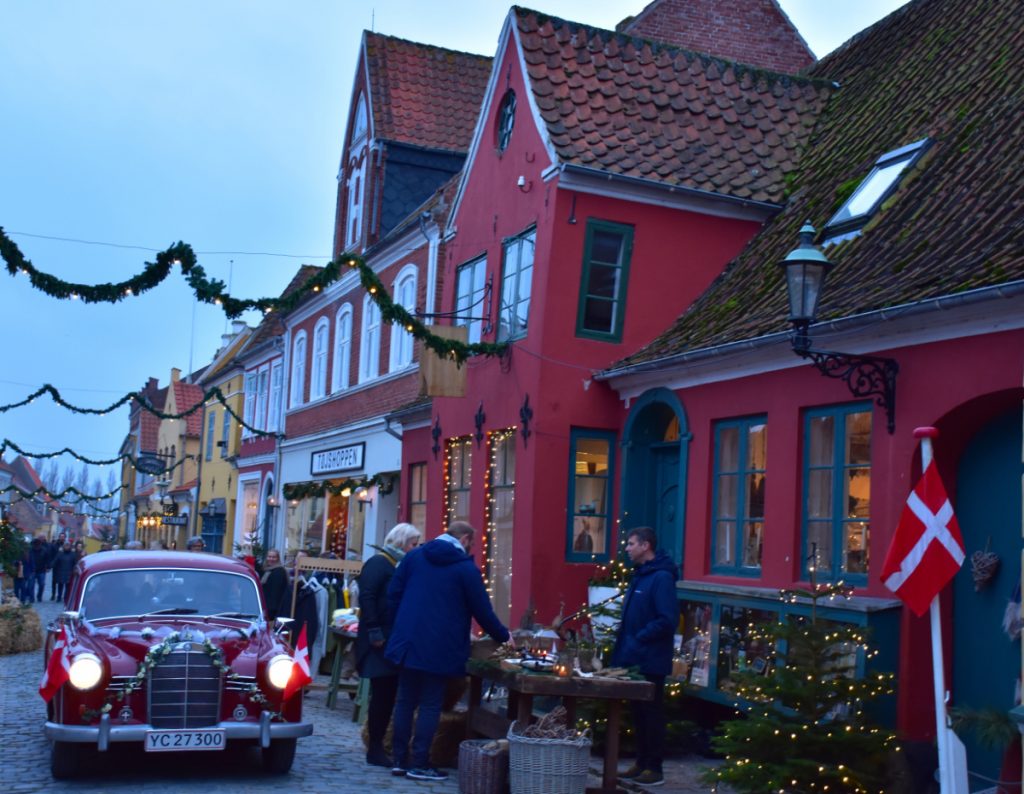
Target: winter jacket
x=375, y=619
x=39, y=551
x=275, y=584
x=63, y=564
x=433, y=595
x=650, y=616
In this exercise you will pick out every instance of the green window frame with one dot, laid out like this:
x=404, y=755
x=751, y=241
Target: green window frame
x=516, y=283
x=835, y=526
x=738, y=495
x=591, y=470
x=607, y=250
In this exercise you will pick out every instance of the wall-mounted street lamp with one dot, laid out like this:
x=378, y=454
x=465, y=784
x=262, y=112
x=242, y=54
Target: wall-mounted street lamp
x=364, y=497
x=806, y=267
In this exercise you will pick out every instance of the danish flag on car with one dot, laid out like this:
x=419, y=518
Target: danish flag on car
x=58, y=669
x=300, y=667
x=927, y=548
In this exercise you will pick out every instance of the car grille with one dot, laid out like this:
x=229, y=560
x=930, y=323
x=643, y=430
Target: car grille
x=184, y=691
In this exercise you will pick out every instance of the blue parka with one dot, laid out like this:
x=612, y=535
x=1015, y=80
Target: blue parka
x=433, y=594
x=650, y=616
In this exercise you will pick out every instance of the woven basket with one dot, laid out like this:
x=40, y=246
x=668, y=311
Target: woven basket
x=482, y=771
x=548, y=766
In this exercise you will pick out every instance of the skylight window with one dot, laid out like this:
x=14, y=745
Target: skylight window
x=869, y=195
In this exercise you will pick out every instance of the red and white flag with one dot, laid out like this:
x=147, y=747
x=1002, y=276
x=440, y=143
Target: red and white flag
x=57, y=669
x=300, y=667
x=927, y=549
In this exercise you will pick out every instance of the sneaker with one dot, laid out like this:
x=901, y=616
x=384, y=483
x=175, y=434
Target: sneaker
x=427, y=774
x=632, y=772
x=649, y=778
x=399, y=771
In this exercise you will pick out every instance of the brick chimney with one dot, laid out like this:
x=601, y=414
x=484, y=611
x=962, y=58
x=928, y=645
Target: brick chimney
x=175, y=374
x=754, y=32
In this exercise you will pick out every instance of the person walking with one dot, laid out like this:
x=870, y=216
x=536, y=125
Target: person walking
x=375, y=621
x=55, y=548
x=24, y=577
x=63, y=564
x=39, y=550
x=433, y=595
x=650, y=617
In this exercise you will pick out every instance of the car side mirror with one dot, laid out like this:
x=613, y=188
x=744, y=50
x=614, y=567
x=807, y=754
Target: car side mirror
x=70, y=615
x=281, y=624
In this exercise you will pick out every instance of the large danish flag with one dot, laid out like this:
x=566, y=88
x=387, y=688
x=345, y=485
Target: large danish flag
x=300, y=667
x=927, y=549
x=58, y=669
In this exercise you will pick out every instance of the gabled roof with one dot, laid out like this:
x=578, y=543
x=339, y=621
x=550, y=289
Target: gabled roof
x=273, y=324
x=636, y=108
x=424, y=95
x=948, y=70
x=187, y=395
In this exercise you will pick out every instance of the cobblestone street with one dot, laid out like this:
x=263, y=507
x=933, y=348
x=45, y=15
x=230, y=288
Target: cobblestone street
x=332, y=758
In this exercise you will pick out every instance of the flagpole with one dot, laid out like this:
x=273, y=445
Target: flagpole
x=925, y=435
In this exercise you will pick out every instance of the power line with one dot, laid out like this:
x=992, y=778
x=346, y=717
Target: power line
x=157, y=250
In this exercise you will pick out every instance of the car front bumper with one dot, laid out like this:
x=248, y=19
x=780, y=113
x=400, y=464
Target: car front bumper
x=103, y=734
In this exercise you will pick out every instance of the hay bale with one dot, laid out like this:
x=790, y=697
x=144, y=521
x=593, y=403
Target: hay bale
x=20, y=629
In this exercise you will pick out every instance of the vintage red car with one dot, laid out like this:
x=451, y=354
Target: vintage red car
x=170, y=651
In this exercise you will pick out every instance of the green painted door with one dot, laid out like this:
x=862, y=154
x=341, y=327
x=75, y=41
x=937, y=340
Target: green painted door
x=666, y=499
x=986, y=663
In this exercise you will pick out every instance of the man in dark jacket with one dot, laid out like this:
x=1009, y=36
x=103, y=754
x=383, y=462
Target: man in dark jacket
x=650, y=616
x=63, y=564
x=433, y=595
x=56, y=547
x=40, y=553
x=374, y=629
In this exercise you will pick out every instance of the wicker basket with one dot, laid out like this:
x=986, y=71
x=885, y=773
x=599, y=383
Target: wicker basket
x=548, y=766
x=482, y=771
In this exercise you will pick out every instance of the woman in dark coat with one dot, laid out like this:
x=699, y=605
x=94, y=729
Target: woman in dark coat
x=374, y=628
x=275, y=582
x=63, y=564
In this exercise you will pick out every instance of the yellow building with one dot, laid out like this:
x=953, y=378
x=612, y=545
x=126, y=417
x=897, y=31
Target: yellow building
x=218, y=450
x=175, y=490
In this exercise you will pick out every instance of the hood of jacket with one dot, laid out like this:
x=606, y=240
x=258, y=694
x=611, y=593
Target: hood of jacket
x=443, y=552
x=661, y=562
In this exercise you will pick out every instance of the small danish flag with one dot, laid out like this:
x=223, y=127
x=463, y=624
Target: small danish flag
x=927, y=548
x=300, y=667
x=58, y=668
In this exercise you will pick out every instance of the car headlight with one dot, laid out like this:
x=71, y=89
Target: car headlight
x=280, y=670
x=86, y=671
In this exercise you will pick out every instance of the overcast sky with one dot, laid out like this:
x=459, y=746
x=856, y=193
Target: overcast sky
x=215, y=122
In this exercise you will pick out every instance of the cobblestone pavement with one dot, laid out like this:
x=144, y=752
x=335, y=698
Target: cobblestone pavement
x=332, y=757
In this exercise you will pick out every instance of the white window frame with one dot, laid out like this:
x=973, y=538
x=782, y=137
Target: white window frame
x=249, y=412
x=356, y=188
x=276, y=390
x=321, y=344
x=469, y=306
x=342, y=348
x=403, y=293
x=369, y=341
x=262, y=388
x=297, y=387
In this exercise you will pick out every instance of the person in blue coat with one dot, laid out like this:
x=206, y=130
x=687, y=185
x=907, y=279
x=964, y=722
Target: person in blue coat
x=650, y=617
x=434, y=594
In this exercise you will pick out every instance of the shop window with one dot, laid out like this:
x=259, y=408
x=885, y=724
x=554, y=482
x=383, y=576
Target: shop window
x=470, y=285
x=591, y=464
x=837, y=492
x=458, y=479
x=211, y=423
x=606, y=254
x=738, y=496
x=318, y=384
x=516, y=284
x=404, y=292
x=298, y=384
x=742, y=643
x=418, y=496
x=304, y=525
x=501, y=481
x=246, y=529
x=342, y=348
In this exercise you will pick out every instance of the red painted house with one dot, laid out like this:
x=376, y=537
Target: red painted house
x=608, y=182
x=912, y=178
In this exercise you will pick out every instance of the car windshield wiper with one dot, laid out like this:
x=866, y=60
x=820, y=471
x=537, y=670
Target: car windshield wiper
x=239, y=615
x=170, y=611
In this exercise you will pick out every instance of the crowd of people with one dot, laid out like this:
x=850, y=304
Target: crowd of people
x=40, y=558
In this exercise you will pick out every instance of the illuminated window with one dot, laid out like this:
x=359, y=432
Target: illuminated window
x=460, y=476
x=418, y=496
x=591, y=463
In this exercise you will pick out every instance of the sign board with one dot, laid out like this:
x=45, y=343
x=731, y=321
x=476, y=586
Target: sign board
x=176, y=521
x=149, y=463
x=347, y=458
x=442, y=377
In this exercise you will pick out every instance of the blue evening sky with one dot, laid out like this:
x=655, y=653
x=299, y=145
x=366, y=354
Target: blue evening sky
x=216, y=123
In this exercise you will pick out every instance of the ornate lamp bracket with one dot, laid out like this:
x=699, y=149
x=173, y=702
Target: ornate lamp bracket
x=435, y=433
x=479, y=420
x=865, y=376
x=525, y=417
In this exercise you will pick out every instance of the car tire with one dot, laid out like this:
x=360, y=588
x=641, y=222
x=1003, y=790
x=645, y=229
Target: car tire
x=65, y=760
x=278, y=758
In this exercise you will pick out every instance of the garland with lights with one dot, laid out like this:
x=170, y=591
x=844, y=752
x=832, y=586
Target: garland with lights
x=806, y=729
x=214, y=291
x=298, y=491
x=495, y=440
x=7, y=444
x=213, y=393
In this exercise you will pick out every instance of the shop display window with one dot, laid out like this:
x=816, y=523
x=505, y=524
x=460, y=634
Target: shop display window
x=592, y=461
x=693, y=663
x=742, y=642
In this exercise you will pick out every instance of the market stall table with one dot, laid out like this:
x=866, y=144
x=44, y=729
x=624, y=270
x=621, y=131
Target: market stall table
x=524, y=686
x=345, y=638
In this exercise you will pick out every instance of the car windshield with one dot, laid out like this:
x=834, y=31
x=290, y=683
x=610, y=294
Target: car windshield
x=169, y=592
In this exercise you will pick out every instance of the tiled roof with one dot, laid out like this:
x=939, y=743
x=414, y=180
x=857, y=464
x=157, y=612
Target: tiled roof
x=272, y=324
x=186, y=487
x=185, y=396
x=424, y=95
x=636, y=108
x=948, y=70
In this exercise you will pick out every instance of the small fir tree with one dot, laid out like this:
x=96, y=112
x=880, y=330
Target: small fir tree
x=806, y=729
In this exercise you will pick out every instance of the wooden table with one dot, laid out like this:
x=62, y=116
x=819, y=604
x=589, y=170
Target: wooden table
x=344, y=638
x=523, y=687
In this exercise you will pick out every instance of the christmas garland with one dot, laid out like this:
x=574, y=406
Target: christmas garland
x=298, y=491
x=7, y=444
x=144, y=403
x=157, y=654
x=213, y=291
x=57, y=497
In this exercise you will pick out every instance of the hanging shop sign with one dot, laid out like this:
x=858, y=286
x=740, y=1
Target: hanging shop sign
x=176, y=521
x=329, y=461
x=149, y=463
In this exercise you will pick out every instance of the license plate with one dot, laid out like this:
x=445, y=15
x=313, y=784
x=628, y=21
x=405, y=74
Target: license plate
x=171, y=741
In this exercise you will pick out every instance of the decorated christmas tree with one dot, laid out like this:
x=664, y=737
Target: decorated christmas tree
x=806, y=729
